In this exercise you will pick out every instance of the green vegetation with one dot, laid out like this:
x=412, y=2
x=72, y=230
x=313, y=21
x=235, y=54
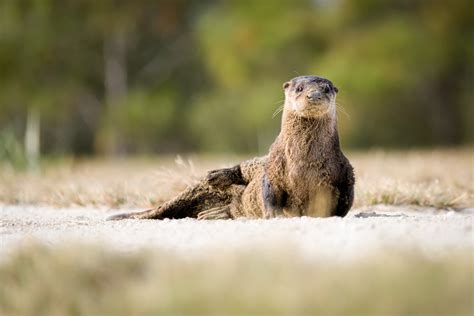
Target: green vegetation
x=165, y=76
x=83, y=280
x=11, y=150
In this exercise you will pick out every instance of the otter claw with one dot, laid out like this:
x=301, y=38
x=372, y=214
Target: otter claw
x=214, y=213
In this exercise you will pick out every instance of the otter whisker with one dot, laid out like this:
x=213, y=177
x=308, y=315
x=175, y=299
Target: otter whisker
x=342, y=110
x=281, y=100
x=278, y=111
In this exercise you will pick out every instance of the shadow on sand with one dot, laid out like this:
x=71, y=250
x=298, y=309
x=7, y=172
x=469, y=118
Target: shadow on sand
x=374, y=214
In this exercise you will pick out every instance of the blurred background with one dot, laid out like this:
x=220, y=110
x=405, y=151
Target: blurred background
x=115, y=78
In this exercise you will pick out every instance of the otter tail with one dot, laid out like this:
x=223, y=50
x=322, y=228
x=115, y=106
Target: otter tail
x=212, y=194
x=187, y=204
x=148, y=214
x=176, y=208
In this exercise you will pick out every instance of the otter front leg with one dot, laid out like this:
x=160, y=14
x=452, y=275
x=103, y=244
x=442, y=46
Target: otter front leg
x=346, y=191
x=274, y=198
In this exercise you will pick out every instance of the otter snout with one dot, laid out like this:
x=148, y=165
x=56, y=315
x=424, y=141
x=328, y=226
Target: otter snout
x=315, y=96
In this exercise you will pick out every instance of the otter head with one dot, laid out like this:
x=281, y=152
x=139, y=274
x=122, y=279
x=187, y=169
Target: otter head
x=310, y=96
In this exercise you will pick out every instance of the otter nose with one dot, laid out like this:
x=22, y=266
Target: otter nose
x=314, y=96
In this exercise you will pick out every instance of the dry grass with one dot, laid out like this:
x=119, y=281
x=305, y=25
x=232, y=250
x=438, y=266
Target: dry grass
x=434, y=178
x=78, y=280
x=437, y=178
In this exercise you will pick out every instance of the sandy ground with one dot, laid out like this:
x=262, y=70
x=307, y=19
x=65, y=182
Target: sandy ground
x=362, y=232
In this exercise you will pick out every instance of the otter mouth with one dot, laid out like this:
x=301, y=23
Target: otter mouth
x=313, y=109
x=319, y=105
x=316, y=112
x=313, y=113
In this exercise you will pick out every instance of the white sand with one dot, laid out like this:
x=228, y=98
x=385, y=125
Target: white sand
x=362, y=232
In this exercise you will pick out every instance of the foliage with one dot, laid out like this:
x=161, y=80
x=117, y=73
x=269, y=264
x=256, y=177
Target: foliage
x=165, y=76
x=11, y=151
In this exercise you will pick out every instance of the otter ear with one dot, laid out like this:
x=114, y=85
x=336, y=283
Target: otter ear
x=336, y=89
x=286, y=85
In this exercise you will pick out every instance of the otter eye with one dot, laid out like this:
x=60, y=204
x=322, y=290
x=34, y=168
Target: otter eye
x=299, y=89
x=326, y=89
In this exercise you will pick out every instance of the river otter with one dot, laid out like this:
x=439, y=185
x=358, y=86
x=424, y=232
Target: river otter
x=304, y=174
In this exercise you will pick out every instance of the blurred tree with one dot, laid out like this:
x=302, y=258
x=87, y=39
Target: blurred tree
x=117, y=77
x=255, y=48
x=76, y=62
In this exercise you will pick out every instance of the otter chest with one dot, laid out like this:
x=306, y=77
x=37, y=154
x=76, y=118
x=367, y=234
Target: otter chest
x=309, y=185
x=306, y=168
x=307, y=173
x=310, y=192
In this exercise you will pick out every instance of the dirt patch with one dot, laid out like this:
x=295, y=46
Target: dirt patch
x=363, y=231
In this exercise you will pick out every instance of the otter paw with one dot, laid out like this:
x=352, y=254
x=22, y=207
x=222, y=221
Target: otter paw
x=215, y=213
x=269, y=214
x=219, y=178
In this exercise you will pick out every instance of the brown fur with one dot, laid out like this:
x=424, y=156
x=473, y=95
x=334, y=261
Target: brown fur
x=305, y=172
